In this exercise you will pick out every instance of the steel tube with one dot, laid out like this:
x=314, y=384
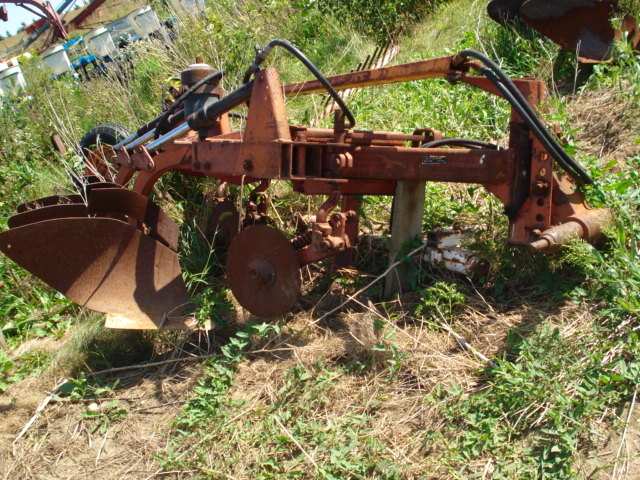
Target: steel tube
x=126, y=141
x=167, y=137
x=206, y=116
x=144, y=138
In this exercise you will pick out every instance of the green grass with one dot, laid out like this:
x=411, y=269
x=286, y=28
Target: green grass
x=289, y=438
x=529, y=417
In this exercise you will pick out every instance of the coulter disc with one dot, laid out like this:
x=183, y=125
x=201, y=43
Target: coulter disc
x=263, y=271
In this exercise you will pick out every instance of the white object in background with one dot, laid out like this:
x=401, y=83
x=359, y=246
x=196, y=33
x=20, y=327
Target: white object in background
x=99, y=42
x=57, y=59
x=123, y=29
x=146, y=20
x=444, y=248
x=3, y=67
x=12, y=81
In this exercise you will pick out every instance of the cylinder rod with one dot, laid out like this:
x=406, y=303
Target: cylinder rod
x=144, y=138
x=167, y=137
x=126, y=141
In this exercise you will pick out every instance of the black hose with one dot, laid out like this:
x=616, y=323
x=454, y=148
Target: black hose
x=461, y=142
x=520, y=104
x=262, y=55
x=539, y=131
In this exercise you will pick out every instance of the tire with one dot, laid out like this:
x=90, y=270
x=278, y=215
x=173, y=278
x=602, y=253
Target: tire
x=106, y=134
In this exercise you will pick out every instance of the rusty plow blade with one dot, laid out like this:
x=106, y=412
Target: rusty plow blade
x=581, y=26
x=120, y=263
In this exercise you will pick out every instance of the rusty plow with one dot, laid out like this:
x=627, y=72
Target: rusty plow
x=112, y=250
x=115, y=254
x=581, y=26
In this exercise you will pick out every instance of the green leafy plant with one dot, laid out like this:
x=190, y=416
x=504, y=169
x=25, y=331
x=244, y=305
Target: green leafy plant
x=12, y=370
x=102, y=418
x=5, y=367
x=440, y=299
x=380, y=19
x=533, y=412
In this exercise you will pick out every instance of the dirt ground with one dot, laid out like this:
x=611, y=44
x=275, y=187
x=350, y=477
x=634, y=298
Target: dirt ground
x=63, y=444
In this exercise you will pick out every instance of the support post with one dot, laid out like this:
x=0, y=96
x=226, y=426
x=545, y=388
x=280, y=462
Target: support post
x=406, y=225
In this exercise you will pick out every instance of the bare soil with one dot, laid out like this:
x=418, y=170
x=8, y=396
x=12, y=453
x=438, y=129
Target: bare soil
x=62, y=444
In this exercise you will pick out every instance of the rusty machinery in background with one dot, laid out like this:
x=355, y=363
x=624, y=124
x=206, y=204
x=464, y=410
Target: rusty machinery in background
x=581, y=26
x=111, y=249
x=50, y=17
x=44, y=11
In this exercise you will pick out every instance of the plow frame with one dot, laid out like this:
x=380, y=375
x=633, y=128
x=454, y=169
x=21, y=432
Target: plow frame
x=536, y=197
x=135, y=244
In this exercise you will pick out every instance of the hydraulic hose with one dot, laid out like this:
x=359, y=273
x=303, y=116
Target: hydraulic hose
x=203, y=117
x=262, y=55
x=520, y=104
x=461, y=142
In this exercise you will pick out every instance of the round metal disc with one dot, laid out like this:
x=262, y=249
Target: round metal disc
x=263, y=271
x=222, y=225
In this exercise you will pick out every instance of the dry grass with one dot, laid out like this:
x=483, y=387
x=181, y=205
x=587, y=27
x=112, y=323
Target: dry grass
x=61, y=444
x=605, y=127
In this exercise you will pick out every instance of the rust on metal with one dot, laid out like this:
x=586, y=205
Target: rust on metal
x=124, y=204
x=58, y=144
x=586, y=226
x=421, y=70
x=48, y=213
x=101, y=162
x=581, y=26
x=263, y=271
x=118, y=255
x=222, y=225
x=49, y=201
x=105, y=265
